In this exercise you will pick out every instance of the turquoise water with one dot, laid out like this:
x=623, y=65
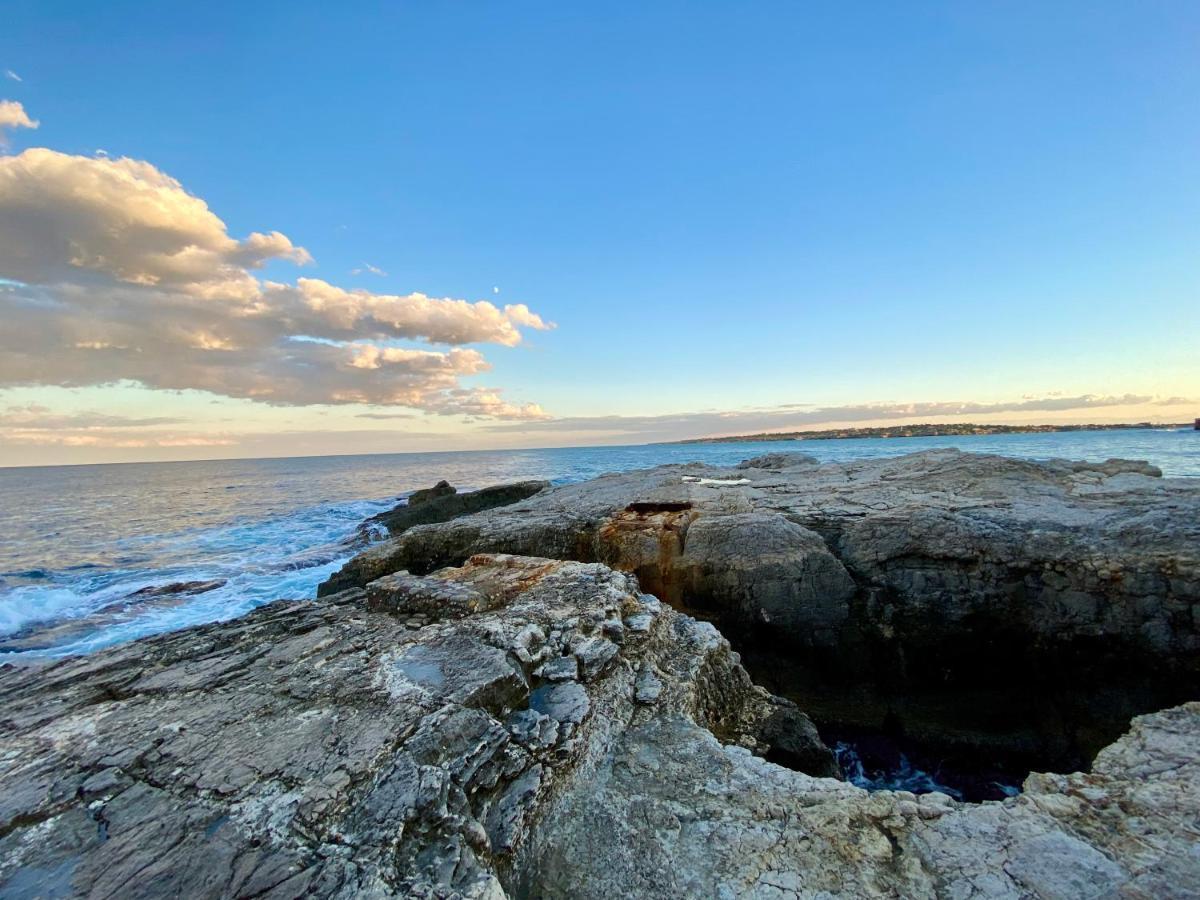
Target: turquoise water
x=76, y=541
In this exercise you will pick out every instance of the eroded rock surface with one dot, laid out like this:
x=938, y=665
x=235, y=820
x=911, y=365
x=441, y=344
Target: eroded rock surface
x=394, y=742
x=440, y=503
x=1019, y=611
x=518, y=727
x=1065, y=549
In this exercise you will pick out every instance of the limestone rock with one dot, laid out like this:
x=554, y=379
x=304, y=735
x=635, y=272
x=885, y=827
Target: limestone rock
x=440, y=503
x=979, y=604
x=903, y=551
x=324, y=749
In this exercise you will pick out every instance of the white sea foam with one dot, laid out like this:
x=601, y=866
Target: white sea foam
x=27, y=606
x=283, y=557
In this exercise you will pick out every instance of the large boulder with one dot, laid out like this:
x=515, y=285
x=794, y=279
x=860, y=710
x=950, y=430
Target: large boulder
x=442, y=502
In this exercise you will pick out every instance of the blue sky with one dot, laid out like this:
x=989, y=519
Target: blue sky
x=721, y=206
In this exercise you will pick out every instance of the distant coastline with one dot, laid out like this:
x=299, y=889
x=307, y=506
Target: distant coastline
x=924, y=430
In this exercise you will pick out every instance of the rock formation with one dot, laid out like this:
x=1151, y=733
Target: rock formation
x=998, y=606
x=519, y=727
x=440, y=503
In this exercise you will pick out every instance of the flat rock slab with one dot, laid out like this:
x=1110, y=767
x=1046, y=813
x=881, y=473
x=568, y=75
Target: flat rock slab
x=914, y=549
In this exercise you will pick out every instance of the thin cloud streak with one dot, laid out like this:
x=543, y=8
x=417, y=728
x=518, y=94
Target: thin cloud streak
x=791, y=417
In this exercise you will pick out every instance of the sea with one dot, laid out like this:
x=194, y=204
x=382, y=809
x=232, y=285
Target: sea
x=77, y=543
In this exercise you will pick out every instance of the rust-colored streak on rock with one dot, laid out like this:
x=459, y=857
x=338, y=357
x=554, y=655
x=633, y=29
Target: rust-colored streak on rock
x=647, y=539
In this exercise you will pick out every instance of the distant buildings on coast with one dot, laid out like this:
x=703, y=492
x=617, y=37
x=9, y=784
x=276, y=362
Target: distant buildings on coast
x=925, y=430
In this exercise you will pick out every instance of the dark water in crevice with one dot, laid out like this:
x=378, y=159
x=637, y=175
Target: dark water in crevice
x=878, y=761
x=974, y=739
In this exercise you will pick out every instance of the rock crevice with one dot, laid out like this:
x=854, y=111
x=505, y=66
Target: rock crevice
x=913, y=594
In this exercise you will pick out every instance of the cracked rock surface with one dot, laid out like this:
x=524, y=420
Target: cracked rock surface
x=913, y=547
x=332, y=749
x=335, y=749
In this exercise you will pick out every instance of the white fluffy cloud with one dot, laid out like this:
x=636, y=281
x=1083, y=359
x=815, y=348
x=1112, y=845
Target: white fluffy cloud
x=67, y=216
x=115, y=272
x=13, y=115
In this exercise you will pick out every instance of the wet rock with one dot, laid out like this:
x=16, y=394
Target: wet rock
x=45, y=636
x=442, y=489
x=177, y=588
x=442, y=503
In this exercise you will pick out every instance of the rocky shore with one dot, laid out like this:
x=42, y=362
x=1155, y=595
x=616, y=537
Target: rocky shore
x=527, y=702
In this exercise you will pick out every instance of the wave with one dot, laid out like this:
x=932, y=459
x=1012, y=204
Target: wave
x=82, y=608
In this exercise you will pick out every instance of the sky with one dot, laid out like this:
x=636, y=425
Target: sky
x=304, y=228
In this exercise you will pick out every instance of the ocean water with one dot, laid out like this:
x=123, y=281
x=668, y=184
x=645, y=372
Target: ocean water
x=77, y=541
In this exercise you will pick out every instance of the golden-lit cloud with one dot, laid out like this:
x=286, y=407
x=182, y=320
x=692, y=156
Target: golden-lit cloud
x=13, y=115
x=113, y=271
x=33, y=424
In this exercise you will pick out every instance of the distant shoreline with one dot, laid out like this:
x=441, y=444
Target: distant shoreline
x=924, y=430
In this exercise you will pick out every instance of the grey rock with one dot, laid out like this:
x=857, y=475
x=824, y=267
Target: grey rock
x=421, y=599
x=561, y=668
x=648, y=686
x=594, y=654
x=533, y=730
x=323, y=749
x=565, y=702
x=441, y=503
x=442, y=489
x=908, y=551
x=777, y=461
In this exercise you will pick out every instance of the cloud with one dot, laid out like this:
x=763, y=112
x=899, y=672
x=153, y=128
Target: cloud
x=367, y=267
x=112, y=271
x=797, y=417
x=482, y=403
x=116, y=440
x=319, y=309
x=32, y=424
x=13, y=115
x=70, y=216
x=41, y=418
x=12, y=76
